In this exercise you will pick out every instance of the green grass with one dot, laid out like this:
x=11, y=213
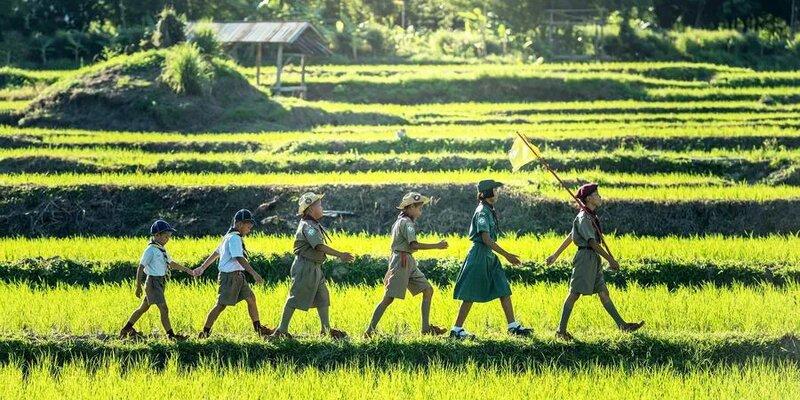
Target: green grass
x=628, y=248
x=655, y=187
x=63, y=309
x=209, y=380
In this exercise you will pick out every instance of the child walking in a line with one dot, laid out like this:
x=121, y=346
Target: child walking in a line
x=309, y=288
x=482, y=277
x=403, y=274
x=155, y=265
x=233, y=263
x=587, y=270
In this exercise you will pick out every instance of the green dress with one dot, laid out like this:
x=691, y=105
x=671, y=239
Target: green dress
x=481, y=278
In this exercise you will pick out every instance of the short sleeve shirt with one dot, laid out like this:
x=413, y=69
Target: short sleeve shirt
x=482, y=221
x=230, y=248
x=582, y=230
x=155, y=261
x=404, y=232
x=308, y=236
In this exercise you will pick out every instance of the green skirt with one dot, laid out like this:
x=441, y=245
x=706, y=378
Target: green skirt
x=481, y=278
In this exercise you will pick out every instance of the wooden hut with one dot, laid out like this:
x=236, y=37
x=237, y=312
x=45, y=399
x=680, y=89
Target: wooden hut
x=294, y=40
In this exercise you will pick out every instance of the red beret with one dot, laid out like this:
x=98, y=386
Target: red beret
x=586, y=190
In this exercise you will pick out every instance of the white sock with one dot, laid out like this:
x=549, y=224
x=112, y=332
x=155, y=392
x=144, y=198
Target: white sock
x=455, y=328
x=514, y=324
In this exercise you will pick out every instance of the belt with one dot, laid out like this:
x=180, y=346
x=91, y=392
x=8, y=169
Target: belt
x=585, y=248
x=315, y=262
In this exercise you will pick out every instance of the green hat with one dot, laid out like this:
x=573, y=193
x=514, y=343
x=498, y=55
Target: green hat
x=488, y=184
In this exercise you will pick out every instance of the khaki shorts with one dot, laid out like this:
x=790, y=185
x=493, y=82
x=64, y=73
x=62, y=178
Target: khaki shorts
x=308, y=288
x=587, y=273
x=233, y=288
x=154, y=289
x=403, y=275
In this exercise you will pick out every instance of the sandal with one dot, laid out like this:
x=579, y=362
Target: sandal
x=434, y=330
x=631, y=326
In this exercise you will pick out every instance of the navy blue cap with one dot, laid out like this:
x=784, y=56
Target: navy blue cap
x=160, y=226
x=243, y=215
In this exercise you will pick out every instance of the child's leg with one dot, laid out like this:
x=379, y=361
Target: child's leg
x=162, y=307
x=605, y=299
x=508, y=308
x=427, y=296
x=569, y=302
x=463, y=311
x=288, y=311
x=137, y=313
x=252, y=308
x=212, y=316
x=378, y=313
x=324, y=319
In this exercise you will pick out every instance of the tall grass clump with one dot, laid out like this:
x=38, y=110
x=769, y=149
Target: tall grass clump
x=186, y=71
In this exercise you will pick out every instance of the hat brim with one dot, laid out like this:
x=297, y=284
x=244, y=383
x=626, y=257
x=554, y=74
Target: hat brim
x=424, y=201
x=300, y=212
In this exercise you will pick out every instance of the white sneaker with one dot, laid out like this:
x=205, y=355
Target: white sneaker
x=460, y=334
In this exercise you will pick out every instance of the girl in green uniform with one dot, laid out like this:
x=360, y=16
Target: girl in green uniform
x=482, y=278
x=587, y=271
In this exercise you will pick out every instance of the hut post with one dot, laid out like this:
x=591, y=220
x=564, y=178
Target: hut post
x=280, y=67
x=303, y=72
x=258, y=63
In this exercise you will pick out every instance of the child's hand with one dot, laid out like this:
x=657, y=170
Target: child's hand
x=513, y=259
x=551, y=260
x=258, y=279
x=346, y=257
x=442, y=244
x=138, y=292
x=613, y=265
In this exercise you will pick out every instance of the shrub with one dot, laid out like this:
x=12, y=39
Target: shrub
x=204, y=36
x=169, y=29
x=186, y=71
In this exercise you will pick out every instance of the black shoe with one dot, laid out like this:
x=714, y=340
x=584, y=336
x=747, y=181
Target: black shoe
x=520, y=331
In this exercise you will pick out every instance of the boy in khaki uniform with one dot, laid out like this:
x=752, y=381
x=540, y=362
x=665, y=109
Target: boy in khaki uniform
x=309, y=289
x=155, y=263
x=233, y=262
x=403, y=274
x=587, y=272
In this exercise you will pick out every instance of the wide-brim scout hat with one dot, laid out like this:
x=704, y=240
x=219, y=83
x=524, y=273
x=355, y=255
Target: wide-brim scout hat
x=488, y=184
x=244, y=215
x=160, y=226
x=413, y=198
x=306, y=200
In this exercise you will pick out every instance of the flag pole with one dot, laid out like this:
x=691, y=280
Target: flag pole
x=582, y=206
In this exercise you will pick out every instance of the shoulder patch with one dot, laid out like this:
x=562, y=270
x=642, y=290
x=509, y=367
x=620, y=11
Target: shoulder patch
x=410, y=229
x=481, y=219
x=311, y=231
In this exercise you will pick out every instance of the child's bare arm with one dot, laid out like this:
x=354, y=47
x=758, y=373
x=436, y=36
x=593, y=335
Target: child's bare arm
x=553, y=257
x=428, y=246
x=139, y=280
x=209, y=260
x=612, y=263
x=487, y=240
x=344, y=256
x=247, y=267
x=179, y=267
